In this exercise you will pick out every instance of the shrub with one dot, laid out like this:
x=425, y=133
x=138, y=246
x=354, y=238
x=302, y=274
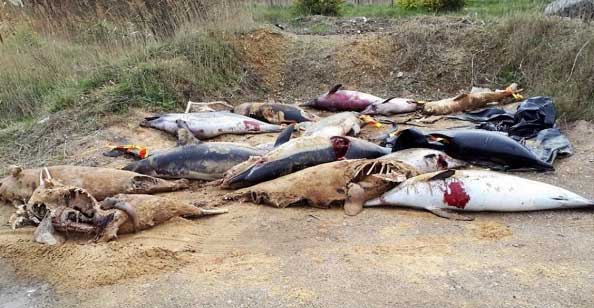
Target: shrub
x=434, y=5
x=318, y=7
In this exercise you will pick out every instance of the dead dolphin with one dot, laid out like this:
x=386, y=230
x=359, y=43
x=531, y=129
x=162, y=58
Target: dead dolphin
x=100, y=182
x=476, y=146
x=206, y=125
x=426, y=160
x=340, y=124
x=468, y=101
x=343, y=100
x=478, y=190
x=203, y=161
x=298, y=154
x=348, y=182
x=274, y=113
x=198, y=160
x=72, y=209
x=392, y=106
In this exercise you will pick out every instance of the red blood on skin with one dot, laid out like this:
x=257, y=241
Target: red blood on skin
x=455, y=195
x=252, y=125
x=442, y=163
x=340, y=146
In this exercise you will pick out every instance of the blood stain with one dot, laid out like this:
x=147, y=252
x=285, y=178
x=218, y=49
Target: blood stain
x=252, y=126
x=455, y=195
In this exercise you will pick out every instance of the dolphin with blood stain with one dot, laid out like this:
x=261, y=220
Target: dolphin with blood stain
x=447, y=192
x=298, y=154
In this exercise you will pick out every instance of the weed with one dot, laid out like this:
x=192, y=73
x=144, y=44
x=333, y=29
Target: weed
x=318, y=7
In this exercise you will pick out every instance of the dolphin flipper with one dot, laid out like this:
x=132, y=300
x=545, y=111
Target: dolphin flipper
x=185, y=135
x=353, y=205
x=444, y=213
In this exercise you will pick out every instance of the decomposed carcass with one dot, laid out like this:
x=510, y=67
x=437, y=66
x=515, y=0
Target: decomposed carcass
x=57, y=208
x=469, y=101
x=274, y=113
x=19, y=185
x=348, y=182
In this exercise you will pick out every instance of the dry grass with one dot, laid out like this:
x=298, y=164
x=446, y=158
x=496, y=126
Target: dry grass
x=552, y=57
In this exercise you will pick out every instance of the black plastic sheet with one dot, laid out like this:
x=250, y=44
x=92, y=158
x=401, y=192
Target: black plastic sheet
x=549, y=144
x=532, y=116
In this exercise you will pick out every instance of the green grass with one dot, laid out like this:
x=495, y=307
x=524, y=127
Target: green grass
x=47, y=75
x=498, y=8
x=482, y=8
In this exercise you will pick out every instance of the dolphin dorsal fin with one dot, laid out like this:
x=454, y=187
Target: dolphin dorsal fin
x=335, y=88
x=385, y=101
x=285, y=135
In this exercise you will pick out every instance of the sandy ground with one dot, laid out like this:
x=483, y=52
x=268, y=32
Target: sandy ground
x=257, y=256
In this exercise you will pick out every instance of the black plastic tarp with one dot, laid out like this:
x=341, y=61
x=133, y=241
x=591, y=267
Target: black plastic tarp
x=532, y=116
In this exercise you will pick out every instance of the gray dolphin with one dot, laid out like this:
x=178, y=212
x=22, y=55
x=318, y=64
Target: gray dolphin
x=206, y=125
x=299, y=154
x=198, y=160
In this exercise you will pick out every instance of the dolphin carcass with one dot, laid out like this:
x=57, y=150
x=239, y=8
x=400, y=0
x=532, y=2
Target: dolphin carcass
x=274, y=113
x=205, y=125
x=446, y=192
x=99, y=182
x=299, y=154
x=343, y=100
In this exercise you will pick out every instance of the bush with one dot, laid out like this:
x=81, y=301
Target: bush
x=318, y=7
x=434, y=5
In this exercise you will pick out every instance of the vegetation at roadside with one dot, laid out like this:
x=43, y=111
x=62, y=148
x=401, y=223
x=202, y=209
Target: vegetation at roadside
x=480, y=8
x=432, y=5
x=318, y=7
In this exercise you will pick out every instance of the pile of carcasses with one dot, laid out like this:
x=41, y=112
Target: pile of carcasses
x=315, y=161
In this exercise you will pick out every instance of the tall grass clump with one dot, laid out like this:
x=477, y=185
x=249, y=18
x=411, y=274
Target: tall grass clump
x=433, y=5
x=35, y=68
x=111, y=66
x=318, y=7
x=547, y=56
